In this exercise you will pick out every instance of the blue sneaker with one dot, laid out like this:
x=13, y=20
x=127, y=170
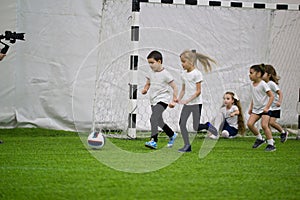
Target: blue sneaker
x=212, y=129
x=151, y=144
x=172, y=140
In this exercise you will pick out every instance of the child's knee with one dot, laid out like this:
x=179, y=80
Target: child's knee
x=265, y=126
x=271, y=124
x=249, y=124
x=196, y=127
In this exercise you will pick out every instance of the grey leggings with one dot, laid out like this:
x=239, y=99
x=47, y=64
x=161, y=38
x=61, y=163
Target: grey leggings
x=185, y=113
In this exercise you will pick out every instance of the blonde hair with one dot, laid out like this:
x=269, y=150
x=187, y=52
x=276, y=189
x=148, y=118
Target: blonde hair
x=192, y=57
x=241, y=124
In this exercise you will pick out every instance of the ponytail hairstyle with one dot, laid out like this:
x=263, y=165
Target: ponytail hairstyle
x=271, y=70
x=259, y=68
x=241, y=123
x=192, y=57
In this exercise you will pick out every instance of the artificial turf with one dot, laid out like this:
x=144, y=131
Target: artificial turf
x=51, y=164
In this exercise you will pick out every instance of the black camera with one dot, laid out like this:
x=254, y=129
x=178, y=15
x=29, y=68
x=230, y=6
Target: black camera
x=12, y=37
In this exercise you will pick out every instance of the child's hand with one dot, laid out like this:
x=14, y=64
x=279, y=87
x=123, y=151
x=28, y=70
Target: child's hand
x=278, y=104
x=144, y=91
x=266, y=110
x=250, y=111
x=172, y=104
x=232, y=114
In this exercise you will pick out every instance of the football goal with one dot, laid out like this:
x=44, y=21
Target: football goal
x=235, y=34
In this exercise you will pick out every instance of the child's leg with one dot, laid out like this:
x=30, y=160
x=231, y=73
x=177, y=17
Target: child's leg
x=156, y=116
x=196, y=113
x=161, y=122
x=275, y=125
x=230, y=130
x=185, y=113
x=219, y=121
x=274, y=115
x=251, y=123
x=265, y=126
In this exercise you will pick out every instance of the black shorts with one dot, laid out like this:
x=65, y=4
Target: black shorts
x=263, y=113
x=164, y=105
x=274, y=113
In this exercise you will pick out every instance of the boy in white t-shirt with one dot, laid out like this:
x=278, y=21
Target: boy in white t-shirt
x=158, y=83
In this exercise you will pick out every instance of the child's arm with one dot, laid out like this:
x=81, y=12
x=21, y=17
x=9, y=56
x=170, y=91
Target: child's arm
x=271, y=99
x=280, y=95
x=196, y=94
x=181, y=94
x=250, y=108
x=146, y=87
x=2, y=56
x=236, y=112
x=175, y=91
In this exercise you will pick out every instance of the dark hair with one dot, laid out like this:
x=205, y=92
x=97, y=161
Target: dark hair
x=259, y=68
x=271, y=70
x=156, y=55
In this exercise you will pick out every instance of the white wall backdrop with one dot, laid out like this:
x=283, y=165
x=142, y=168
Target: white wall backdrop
x=8, y=13
x=37, y=75
x=49, y=80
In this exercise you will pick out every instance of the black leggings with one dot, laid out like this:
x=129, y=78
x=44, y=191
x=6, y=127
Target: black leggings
x=156, y=121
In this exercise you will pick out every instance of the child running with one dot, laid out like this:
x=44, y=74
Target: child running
x=230, y=119
x=159, y=80
x=271, y=78
x=262, y=99
x=190, y=94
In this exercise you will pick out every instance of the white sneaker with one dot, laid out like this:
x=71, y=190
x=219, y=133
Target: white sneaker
x=214, y=137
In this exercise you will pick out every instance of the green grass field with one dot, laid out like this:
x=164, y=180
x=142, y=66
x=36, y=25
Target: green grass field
x=49, y=164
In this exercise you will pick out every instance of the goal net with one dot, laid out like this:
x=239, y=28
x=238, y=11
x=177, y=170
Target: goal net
x=235, y=37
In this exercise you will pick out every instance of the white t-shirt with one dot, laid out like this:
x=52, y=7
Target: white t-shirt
x=274, y=88
x=260, y=97
x=159, y=86
x=190, y=79
x=232, y=121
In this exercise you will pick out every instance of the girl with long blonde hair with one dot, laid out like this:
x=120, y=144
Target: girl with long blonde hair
x=190, y=95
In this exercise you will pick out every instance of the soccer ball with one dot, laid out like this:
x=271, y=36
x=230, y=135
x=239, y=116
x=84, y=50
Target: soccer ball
x=96, y=140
